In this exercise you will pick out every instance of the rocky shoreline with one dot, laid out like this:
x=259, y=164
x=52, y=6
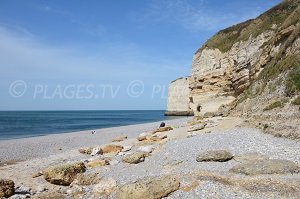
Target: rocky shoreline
x=187, y=158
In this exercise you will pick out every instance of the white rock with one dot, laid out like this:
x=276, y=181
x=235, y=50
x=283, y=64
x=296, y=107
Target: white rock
x=19, y=196
x=23, y=190
x=105, y=187
x=147, y=149
x=143, y=134
x=96, y=151
x=113, y=162
x=41, y=188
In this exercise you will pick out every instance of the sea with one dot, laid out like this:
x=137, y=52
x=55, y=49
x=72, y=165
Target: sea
x=23, y=124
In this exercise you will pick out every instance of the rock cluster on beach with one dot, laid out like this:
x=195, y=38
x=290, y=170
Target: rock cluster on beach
x=232, y=163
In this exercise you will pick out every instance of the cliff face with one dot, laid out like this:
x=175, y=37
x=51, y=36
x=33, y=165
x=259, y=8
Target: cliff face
x=217, y=77
x=178, y=101
x=242, y=55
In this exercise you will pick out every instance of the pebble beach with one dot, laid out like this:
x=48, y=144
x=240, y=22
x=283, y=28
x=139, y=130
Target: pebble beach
x=164, y=161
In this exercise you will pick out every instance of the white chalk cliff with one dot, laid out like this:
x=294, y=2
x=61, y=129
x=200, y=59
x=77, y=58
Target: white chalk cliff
x=227, y=64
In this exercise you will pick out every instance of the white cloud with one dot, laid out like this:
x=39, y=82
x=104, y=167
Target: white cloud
x=194, y=17
x=23, y=56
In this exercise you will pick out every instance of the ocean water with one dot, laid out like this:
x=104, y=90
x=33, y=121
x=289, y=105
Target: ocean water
x=21, y=124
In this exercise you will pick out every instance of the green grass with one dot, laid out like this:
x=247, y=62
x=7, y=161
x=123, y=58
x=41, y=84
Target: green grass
x=293, y=81
x=292, y=19
x=274, y=68
x=296, y=101
x=284, y=13
x=277, y=104
x=288, y=64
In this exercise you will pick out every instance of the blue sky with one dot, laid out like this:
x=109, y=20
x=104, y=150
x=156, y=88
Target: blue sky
x=106, y=54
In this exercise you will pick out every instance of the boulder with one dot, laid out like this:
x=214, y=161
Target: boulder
x=105, y=187
x=162, y=124
x=142, y=137
x=63, y=174
x=97, y=163
x=163, y=129
x=23, y=190
x=113, y=162
x=215, y=156
x=75, y=191
x=87, y=151
x=96, y=151
x=112, y=148
x=7, y=188
x=40, y=189
x=195, y=120
x=197, y=127
x=156, y=138
x=86, y=179
x=154, y=188
x=126, y=148
x=266, y=167
x=49, y=195
x=250, y=157
x=146, y=149
x=209, y=115
x=135, y=158
x=37, y=174
x=119, y=139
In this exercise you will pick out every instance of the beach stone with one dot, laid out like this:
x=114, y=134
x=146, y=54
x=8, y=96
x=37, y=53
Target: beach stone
x=105, y=187
x=162, y=124
x=41, y=188
x=250, y=157
x=112, y=148
x=113, y=162
x=209, y=115
x=63, y=174
x=49, y=195
x=155, y=139
x=154, y=188
x=76, y=191
x=87, y=151
x=266, y=167
x=197, y=127
x=119, y=139
x=20, y=196
x=96, y=151
x=215, y=156
x=97, y=163
x=135, y=158
x=7, y=188
x=146, y=149
x=163, y=129
x=23, y=190
x=163, y=137
x=142, y=137
x=37, y=174
x=86, y=179
x=126, y=148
